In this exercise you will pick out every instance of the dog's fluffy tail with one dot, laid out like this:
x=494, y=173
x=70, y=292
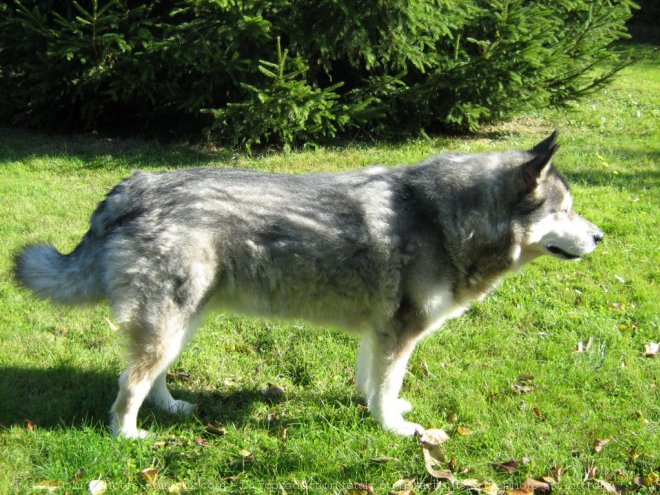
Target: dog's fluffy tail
x=63, y=278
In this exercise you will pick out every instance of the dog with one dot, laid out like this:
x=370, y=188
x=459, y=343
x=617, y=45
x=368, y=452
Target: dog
x=389, y=254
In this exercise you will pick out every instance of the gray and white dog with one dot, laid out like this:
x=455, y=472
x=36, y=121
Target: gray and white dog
x=389, y=254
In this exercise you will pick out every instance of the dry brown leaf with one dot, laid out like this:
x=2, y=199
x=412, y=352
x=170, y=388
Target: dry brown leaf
x=215, y=428
x=149, y=475
x=481, y=487
x=202, y=442
x=97, y=487
x=557, y=472
x=608, y=487
x=452, y=465
x=361, y=489
x=600, y=444
x=651, y=349
x=536, y=486
x=591, y=473
x=30, y=425
x=432, y=438
x=538, y=413
x=518, y=491
x=510, y=466
x=521, y=388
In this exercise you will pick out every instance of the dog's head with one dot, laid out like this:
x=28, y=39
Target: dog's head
x=550, y=224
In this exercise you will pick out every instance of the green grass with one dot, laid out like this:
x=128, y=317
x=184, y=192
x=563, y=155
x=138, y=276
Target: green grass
x=58, y=366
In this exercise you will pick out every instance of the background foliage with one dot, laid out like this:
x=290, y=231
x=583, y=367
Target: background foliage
x=284, y=72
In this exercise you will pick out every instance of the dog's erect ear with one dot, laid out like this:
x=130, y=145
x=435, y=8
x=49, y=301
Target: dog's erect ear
x=547, y=144
x=532, y=171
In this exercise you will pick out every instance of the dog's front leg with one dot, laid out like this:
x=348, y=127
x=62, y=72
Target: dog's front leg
x=387, y=366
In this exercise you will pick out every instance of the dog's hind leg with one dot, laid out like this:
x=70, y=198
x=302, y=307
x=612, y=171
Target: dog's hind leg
x=389, y=358
x=154, y=345
x=364, y=367
x=161, y=397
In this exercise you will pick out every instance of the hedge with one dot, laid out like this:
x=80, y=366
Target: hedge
x=287, y=72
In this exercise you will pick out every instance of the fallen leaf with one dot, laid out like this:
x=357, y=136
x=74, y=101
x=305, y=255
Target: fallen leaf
x=489, y=488
x=430, y=441
x=600, y=444
x=452, y=465
x=432, y=438
x=591, y=473
x=246, y=455
x=215, y=428
x=649, y=480
x=49, y=486
x=651, y=349
x=608, y=487
x=149, y=475
x=557, y=472
x=179, y=488
x=538, y=413
x=202, y=442
x=97, y=487
x=404, y=484
x=510, y=466
x=180, y=375
x=382, y=459
x=273, y=391
x=361, y=489
x=481, y=487
x=463, y=431
x=521, y=388
x=30, y=425
x=536, y=486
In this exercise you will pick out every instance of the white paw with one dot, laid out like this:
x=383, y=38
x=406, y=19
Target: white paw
x=130, y=433
x=403, y=427
x=403, y=406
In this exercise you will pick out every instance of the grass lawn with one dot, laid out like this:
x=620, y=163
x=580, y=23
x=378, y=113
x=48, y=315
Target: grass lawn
x=598, y=408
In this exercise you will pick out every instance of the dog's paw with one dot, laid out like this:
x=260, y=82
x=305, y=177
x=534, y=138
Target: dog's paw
x=403, y=406
x=131, y=434
x=405, y=428
x=398, y=425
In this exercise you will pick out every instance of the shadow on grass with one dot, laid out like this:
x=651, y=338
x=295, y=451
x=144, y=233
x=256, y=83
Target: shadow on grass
x=96, y=153
x=64, y=396
x=55, y=397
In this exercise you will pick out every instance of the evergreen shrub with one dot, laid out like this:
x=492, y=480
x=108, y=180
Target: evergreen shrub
x=283, y=72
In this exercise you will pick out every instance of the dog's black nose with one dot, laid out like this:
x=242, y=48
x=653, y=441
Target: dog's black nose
x=598, y=236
